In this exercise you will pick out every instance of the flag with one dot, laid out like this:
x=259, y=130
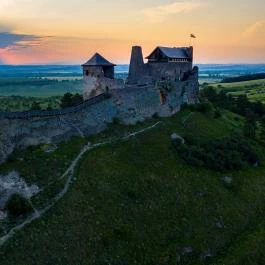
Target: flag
x=192, y=36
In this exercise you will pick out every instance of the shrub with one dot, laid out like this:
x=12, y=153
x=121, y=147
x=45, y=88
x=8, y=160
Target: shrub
x=107, y=95
x=191, y=140
x=228, y=153
x=204, y=107
x=217, y=114
x=115, y=121
x=177, y=142
x=49, y=107
x=250, y=128
x=18, y=205
x=35, y=106
x=155, y=115
x=69, y=100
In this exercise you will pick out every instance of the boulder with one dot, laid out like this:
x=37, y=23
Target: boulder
x=176, y=137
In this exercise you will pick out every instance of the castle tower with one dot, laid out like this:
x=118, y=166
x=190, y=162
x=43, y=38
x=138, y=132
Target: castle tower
x=136, y=70
x=190, y=53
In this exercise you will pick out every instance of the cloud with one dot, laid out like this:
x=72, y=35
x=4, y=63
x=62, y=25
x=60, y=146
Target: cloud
x=158, y=13
x=256, y=28
x=9, y=40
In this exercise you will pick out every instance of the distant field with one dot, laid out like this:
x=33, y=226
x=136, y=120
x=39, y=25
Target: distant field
x=64, y=78
x=39, y=87
x=254, y=90
x=18, y=94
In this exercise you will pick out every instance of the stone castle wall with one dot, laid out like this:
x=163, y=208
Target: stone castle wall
x=129, y=105
x=94, y=86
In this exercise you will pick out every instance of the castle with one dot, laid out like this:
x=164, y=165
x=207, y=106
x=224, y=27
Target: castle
x=164, y=64
x=156, y=88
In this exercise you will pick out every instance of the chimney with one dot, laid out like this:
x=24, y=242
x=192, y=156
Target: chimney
x=136, y=65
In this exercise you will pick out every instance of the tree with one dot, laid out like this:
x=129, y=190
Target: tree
x=17, y=206
x=262, y=129
x=35, y=106
x=77, y=99
x=242, y=104
x=69, y=100
x=66, y=100
x=49, y=107
x=250, y=128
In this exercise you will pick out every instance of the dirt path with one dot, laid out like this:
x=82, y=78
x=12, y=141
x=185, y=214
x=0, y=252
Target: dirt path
x=70, y=174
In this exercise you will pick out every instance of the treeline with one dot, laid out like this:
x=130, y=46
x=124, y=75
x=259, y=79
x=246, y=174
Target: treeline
x=240, y=105
x=68, y=100
x=32, y=81
x=26, y=81
x=243, y=78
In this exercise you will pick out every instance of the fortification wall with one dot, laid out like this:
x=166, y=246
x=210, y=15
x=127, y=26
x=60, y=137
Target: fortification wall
x=94, y=86
x=129, y=105
x=170, y=71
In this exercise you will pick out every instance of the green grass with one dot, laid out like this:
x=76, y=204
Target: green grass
x=254, y=90
x=244, y=83
x=137, y=202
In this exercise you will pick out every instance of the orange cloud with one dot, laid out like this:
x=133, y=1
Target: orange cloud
x=158, y=13
x=256, y=28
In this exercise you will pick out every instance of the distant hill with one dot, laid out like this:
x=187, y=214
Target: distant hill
x=206, y=70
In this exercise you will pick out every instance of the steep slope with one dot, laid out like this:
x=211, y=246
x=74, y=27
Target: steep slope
x=137, y=202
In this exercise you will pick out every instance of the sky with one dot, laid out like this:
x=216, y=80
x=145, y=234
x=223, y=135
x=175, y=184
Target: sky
x=71, y=31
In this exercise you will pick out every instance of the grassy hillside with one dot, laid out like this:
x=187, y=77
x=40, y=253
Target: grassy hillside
x=138, y=202
x=255, y=90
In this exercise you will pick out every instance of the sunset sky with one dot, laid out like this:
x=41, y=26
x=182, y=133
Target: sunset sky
x=70, y=31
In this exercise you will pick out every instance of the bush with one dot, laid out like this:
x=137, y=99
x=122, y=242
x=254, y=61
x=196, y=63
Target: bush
x=69, y=100
x=191, y=140
x=205, y=107
x=17, y=206
x=115, y=121
x=177, y=142
x=35, y=106
x=107, y=95
x=155, y=115
x=49, y=107
x=229, y=153
x=250, y=129
x=217, y=114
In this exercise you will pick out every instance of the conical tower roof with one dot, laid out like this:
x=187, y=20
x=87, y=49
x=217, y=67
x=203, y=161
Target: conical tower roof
x=98, y=60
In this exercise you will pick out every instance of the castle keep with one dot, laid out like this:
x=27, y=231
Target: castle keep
x=158, y=87
x=164, y=64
